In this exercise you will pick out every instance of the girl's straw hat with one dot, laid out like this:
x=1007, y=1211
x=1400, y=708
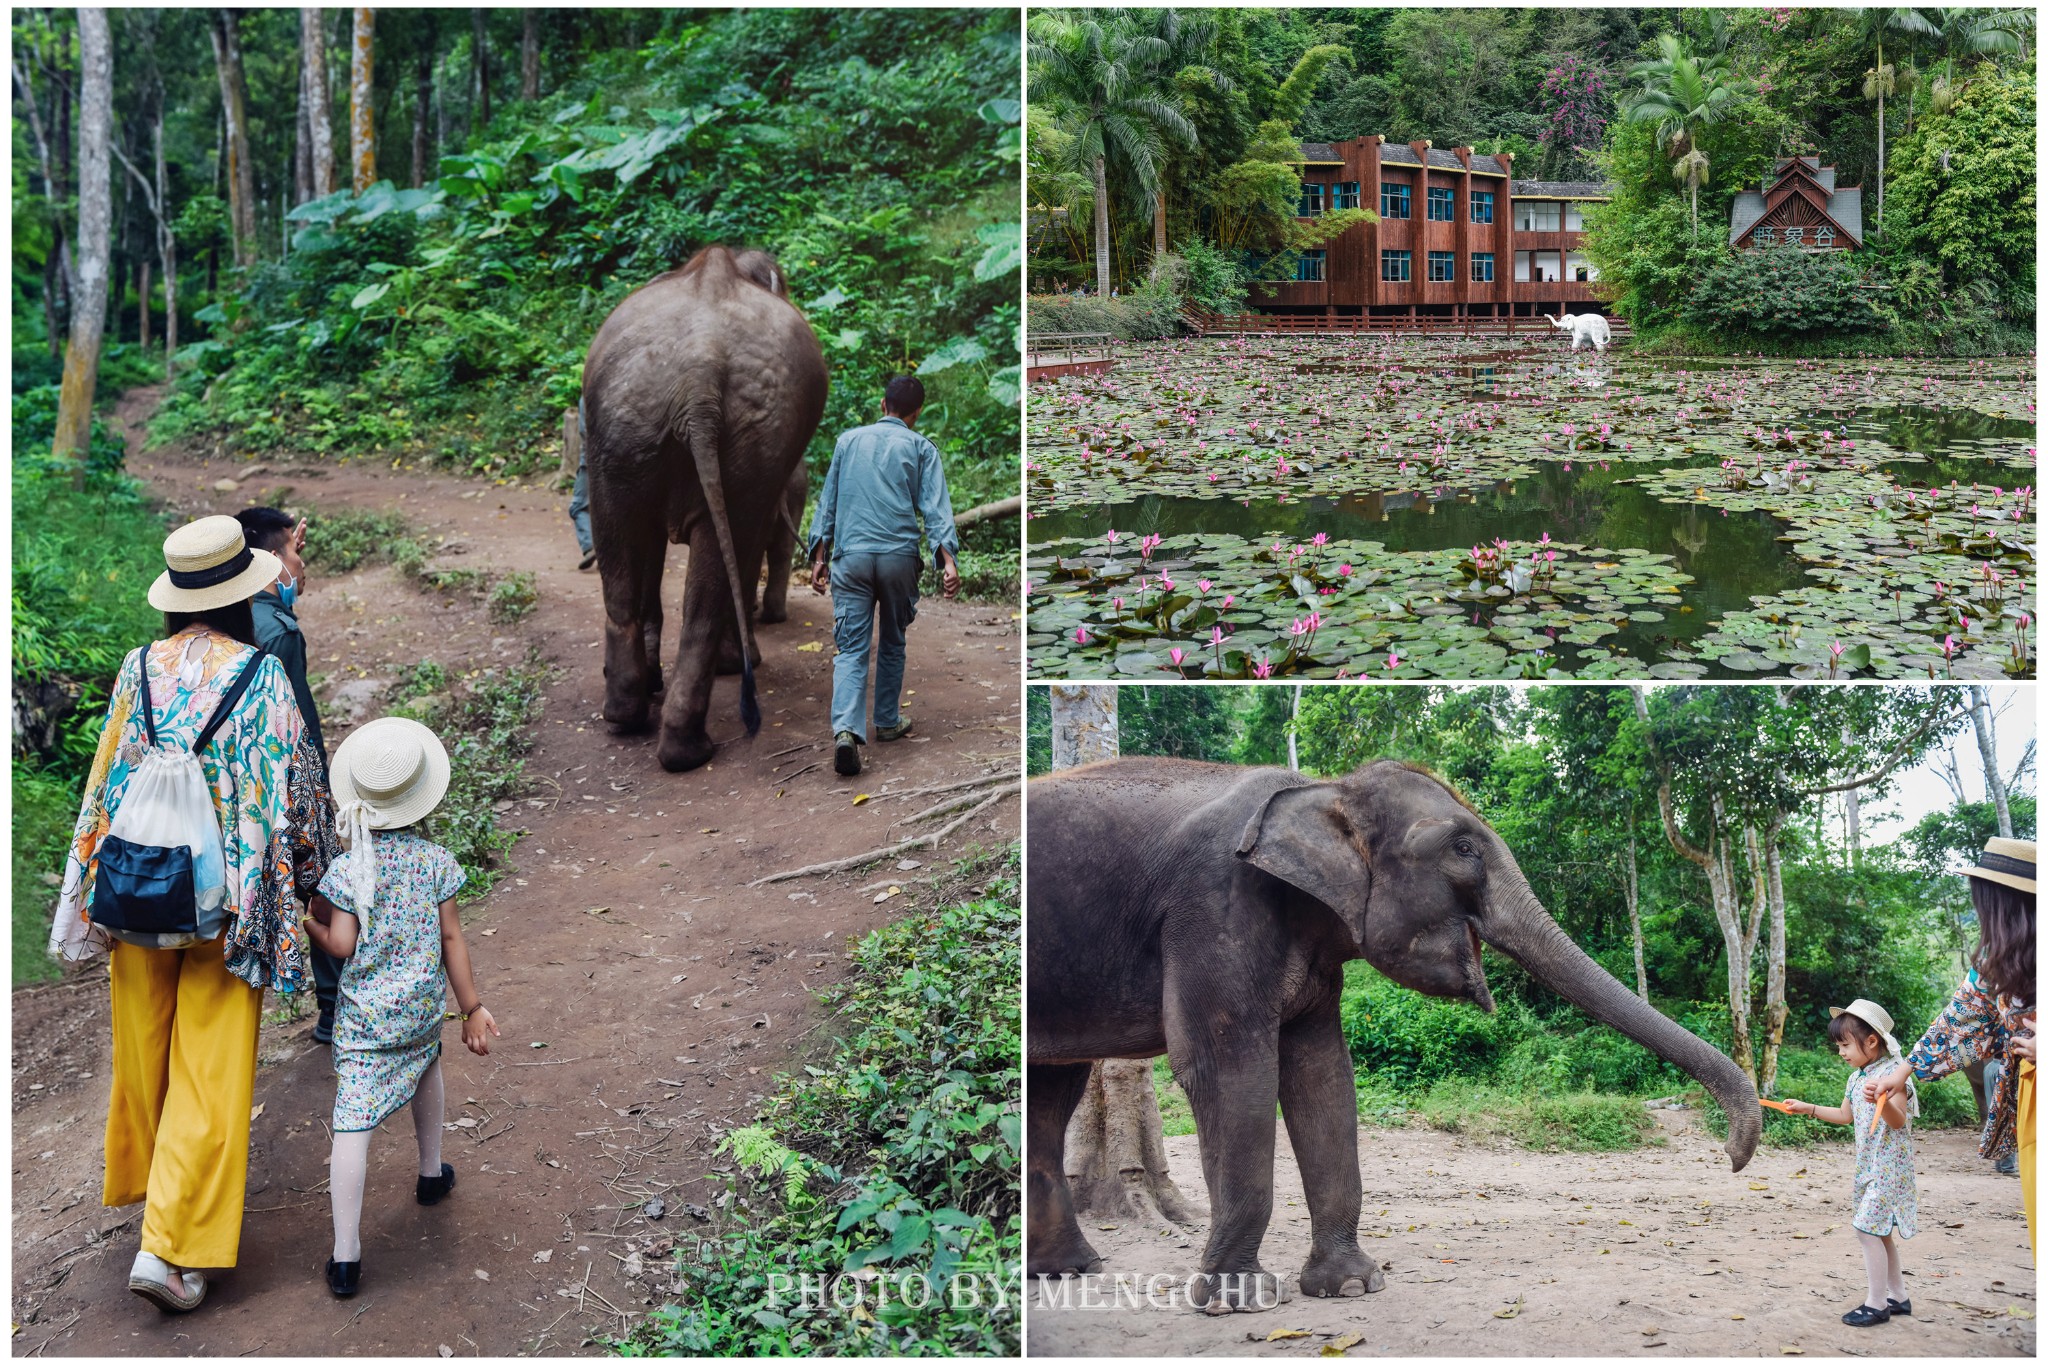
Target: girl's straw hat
x=209, y=564
x=2009, y=862
x=396, y=768
x=1873, y=1014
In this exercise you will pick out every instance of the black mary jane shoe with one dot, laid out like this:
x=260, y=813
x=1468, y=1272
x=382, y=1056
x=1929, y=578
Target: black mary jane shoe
x=344, y=1277
x=1863, y=1315
x=432, y=1189
x=1900, y=1308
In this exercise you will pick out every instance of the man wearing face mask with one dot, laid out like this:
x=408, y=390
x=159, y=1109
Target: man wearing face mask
x=278, y=633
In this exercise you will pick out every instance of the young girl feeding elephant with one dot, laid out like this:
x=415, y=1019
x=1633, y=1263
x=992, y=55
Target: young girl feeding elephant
x=386, y=909
x=1887, y=1203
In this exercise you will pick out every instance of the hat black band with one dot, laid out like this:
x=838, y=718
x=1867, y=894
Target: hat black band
x=2011, y=867
x=215, y=576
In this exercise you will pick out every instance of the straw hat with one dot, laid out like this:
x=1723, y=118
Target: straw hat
x=397, y=769
x=209, y=564
x=2009, y=862
x=1873, y=1014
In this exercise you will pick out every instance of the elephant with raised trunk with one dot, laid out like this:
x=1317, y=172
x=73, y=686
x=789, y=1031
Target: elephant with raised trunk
x=700, y=392
x=1206, y=912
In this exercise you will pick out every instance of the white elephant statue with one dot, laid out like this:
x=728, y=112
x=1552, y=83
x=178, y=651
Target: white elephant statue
x=1584, y=327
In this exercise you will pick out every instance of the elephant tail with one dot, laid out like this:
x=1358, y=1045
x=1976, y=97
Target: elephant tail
x=702, y=432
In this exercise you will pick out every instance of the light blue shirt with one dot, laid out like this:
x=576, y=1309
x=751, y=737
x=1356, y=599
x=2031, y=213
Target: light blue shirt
x=882, y=477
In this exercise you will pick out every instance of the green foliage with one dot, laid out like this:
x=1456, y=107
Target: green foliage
x=343, y=540
x=1538, y=1121
x=1785, y=291
x=45, y=805
x=897, y=1158
x=1147, y=313
x=513, y=597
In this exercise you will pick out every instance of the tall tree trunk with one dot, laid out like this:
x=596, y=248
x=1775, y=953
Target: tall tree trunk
x=423, y=106
x=1774, y=969
x=241, y=172
x=529, y=56
x=1635, y=916
x=1987, y=749
x=480, y=69
x=1101, y=228
x=1158, y=232
x=319, y=101
x=362, y=114
x=53, y=193
x=1294, y=719
x=1116, y=1147
x=142, y=294
x=167, y=248
x=302, y=145
x=95, y=206
x=1879, y=232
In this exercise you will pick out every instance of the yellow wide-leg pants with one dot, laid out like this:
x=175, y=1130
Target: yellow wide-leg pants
x=2025, y=1117
x=178, y=1119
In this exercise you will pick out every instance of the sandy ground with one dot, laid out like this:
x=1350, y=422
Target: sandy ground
x=664, y=1019
x=1494, y=1250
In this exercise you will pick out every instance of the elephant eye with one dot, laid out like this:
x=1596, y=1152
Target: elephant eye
x=1466, y=849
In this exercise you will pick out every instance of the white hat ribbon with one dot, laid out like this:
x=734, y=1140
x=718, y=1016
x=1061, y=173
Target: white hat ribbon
x=354, y=822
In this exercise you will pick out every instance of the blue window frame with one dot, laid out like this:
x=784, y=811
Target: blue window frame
x=1311, y=201
x=1347, y=194
x=1394, y=266
x=1443, y=267
x=1310, y=266
x=1442, y=205
x=1482, y=206
x=1393, y=201
x=1482, y=267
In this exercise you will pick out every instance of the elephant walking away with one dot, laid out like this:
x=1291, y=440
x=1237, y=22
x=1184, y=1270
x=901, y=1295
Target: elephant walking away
x=700, y=391
x=1206, y=911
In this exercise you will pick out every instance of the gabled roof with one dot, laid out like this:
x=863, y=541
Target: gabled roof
x=1843, y=207
x=1319, y=151
x=1400, y=153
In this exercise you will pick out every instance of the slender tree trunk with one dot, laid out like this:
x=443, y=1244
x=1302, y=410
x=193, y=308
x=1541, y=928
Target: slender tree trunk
x=319, y=101
x=1774, y=970
x=423, y=108
x=168, y=249
x=1294, y=719
x=1987, y=749
x=1116, y=1147
x=480, y=69
x=1101, y=228
x=362, y=113
x=241, y=172
x=1880, y=141
x=1158, y=232
x=302, y=145
x=53, y=192
x=142, y=293
x=529, y=56
x=1635, y=917
x=95, y=206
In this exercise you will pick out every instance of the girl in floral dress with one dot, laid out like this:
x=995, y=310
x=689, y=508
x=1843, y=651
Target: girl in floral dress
x=1887, y=1201
x=386, y=908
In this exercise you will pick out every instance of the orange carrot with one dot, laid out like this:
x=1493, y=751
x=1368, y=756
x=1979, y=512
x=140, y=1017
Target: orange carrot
x=1779, y=1105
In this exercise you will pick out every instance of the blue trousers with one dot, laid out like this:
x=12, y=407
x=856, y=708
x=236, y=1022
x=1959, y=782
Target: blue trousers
x=579, y=508
x=864, y=587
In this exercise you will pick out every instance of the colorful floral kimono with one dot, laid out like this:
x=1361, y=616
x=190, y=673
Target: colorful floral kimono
x=277, y=819
x=1976, y=1027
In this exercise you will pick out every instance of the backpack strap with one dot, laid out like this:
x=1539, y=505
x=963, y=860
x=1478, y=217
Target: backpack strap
x=148, y=706
x=227, y=703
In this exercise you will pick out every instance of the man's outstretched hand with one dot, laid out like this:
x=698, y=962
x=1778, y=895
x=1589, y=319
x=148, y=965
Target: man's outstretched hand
x=821, y=572
x=949, y=575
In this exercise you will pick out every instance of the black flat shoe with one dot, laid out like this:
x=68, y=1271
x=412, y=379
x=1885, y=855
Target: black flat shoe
x=432, y=1189
x=846, y=754
x=1900, y=1308
x=1863, y=1315
x=323, y=1029
x=344, y=1277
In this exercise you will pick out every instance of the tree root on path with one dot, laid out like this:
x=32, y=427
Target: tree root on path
x=930, y=840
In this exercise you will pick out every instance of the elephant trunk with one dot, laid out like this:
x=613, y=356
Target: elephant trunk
x=1517, y=924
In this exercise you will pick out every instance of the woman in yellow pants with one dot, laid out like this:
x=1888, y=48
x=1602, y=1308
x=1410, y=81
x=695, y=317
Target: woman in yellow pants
x=186, y=1005
x=1991, y=1014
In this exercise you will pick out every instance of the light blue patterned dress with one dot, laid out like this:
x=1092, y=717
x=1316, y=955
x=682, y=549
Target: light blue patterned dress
x=1887, y=1200
x=387, y=1023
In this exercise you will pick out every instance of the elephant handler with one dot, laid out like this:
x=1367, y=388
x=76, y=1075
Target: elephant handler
x=882, y=477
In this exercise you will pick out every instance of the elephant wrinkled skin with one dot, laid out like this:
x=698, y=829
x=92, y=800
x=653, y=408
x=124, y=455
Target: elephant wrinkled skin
x=1206, y=912
x=700, y=391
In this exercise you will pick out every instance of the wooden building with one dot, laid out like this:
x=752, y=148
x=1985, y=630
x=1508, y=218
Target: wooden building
x=1800, y=205
x=1458, y=236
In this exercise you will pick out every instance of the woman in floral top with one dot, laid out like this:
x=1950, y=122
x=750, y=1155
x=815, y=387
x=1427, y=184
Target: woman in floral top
x=1992, y=1013
x=185, y=1017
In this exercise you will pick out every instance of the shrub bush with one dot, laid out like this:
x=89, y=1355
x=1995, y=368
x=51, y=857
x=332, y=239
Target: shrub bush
x=1786, y=291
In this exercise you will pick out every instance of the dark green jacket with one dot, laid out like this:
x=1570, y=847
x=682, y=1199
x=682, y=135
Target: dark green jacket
x=277, y=631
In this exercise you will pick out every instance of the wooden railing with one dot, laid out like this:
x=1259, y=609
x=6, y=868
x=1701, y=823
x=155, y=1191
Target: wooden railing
x=1205, y=323
x=1069, y=348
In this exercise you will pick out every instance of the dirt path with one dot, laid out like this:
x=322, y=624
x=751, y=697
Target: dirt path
x=1659, y=1251
x=664, y=1019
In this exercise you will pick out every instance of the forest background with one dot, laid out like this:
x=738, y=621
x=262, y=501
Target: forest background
x=1761, y=864
x=396, y=244
x=1197, y=116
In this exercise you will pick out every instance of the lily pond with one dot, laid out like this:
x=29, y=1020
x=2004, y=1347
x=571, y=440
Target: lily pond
x=1449, y=508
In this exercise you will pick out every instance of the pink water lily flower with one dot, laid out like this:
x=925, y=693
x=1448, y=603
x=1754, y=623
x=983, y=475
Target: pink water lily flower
x=1343, y=571
x=1177, y=654
x=1080, y=635
x=1203, y=584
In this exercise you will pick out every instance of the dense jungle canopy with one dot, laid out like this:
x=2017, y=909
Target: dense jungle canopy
x=1197, y=114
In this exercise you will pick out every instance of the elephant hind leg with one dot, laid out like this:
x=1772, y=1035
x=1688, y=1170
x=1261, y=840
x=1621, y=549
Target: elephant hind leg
x=707, y=615
x=630, y=553
x=1053, y=1241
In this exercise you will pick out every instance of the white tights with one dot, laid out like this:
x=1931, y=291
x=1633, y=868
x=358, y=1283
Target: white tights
x=1881, y=1267
x=351, y=1160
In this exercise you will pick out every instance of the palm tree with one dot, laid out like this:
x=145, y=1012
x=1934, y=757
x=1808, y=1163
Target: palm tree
x=1684, y=91
x=1873, y=28
x=1100, y=77
x=1185, y=37
x=1973, y=32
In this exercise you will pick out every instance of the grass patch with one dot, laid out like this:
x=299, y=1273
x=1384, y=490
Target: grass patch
x=896, y=1160
x=1176, y=1115
x=44, y=808
x=513, y=597
x=1542, y=1123
x=343, y=541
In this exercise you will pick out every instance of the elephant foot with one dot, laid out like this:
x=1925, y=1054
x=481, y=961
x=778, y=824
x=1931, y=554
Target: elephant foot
x=1341, y=1275
x=1070, y=1257
x=626, y=717
x=729, y=659
x=679, y=753
x=772, y=614
x=1256, y=1290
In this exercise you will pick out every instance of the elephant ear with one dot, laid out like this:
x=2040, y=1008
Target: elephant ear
x=1302, y=836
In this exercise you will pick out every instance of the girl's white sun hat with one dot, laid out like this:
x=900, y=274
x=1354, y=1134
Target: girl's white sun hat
x=395, y=769
x=1873, y=1014
x=207, y=564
